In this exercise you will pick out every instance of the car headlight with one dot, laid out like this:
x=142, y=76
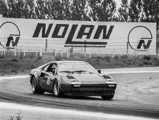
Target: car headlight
x=74, y=81
x=108, y=79
x=76, y=84
x=70, y=80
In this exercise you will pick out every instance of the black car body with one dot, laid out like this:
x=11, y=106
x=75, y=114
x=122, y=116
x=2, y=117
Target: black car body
x=76, y=78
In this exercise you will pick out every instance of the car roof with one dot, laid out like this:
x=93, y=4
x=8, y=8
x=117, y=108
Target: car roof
x=58, y=62
x=67, y=62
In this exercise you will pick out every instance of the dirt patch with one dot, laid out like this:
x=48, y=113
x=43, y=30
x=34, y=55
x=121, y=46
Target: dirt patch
x=142, y=87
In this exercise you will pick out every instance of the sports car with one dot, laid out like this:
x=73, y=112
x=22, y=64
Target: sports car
x=77, y=78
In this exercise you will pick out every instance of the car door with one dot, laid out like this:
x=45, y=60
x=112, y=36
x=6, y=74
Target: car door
x=52, y=76
x=45, y=75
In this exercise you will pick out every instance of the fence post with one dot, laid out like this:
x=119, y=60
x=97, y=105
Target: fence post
x=15, y=51
x=54, y=52
x=41, y=52
x=127, y=47
x=38, y=51
x=68, y=54
x=90, y=55
x=4, y=52
x=24, y=52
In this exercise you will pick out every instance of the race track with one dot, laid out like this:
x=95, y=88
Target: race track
x=137, y=94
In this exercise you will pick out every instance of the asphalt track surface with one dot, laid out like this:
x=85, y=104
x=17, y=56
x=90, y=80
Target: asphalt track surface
x=137, y=94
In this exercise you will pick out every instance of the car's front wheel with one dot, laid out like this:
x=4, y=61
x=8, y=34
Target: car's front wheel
x=108, y=97
x=35, y=89
x=56, y=89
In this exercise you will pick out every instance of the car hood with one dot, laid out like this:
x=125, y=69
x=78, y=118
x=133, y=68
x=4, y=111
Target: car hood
x=89, y=78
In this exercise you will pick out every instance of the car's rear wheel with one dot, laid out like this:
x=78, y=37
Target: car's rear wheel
x=108, y=97
x=56, y=89
x=34, y=87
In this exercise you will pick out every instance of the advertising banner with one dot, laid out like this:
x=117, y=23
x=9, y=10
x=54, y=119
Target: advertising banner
x=103, y=37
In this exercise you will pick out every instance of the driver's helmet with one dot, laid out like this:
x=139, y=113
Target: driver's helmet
x=53, y=68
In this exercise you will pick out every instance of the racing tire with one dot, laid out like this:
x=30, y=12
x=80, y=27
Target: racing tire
x=56, y=89
x=35, y=88
x=108, y=97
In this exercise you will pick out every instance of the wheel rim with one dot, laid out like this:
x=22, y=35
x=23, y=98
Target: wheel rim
x=56, y=92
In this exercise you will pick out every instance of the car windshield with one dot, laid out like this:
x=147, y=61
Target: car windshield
x=71, y=67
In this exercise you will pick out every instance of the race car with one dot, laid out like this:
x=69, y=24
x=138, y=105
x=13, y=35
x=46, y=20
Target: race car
x=76, y=78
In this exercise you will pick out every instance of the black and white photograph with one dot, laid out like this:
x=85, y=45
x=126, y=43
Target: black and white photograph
x=79, y=59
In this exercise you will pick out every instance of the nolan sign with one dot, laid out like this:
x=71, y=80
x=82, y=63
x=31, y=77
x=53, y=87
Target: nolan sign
x=75, y=34
x=96, y=37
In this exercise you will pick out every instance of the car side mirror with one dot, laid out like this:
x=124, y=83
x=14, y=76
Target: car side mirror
x=99, y=71
x=42, y=74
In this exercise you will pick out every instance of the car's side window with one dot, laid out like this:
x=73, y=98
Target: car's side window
x=56, y=67
x=53, y=68
x=49, y=68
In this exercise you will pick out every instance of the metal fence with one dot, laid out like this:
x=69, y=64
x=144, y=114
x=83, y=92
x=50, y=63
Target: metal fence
x=54, y=48
x=64, y=53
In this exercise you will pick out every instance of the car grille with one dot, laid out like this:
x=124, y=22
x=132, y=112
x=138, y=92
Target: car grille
x=93, y=88
x=94, y=92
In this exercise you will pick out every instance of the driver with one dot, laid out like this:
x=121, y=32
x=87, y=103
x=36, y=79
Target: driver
x=53, y=69
x=54, y=72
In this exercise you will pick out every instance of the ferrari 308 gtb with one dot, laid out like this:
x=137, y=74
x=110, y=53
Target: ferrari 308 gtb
x=77, y=78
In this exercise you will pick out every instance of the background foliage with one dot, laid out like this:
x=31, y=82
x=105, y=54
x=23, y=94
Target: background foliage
x=87, y=10
x=23, y=64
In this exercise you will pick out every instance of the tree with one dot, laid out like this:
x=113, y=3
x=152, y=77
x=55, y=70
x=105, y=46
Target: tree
x=3, y=8
x=56, y=9
x=95, y=10
x=15, y=8
x=123, y=11
x=66, y=9
x=30, y=9
x=77, y=10
x=103, y=10
x=41, y=9
x=150, y=10
x=135, y=10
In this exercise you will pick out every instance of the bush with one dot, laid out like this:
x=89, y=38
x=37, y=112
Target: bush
x=116, y=57
x=124, y=57
x=14, y=71
x=107, y=58
x=1, y=56
x=157, y=62
x=58, y=58
x=14, y=59
x=145, y=57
